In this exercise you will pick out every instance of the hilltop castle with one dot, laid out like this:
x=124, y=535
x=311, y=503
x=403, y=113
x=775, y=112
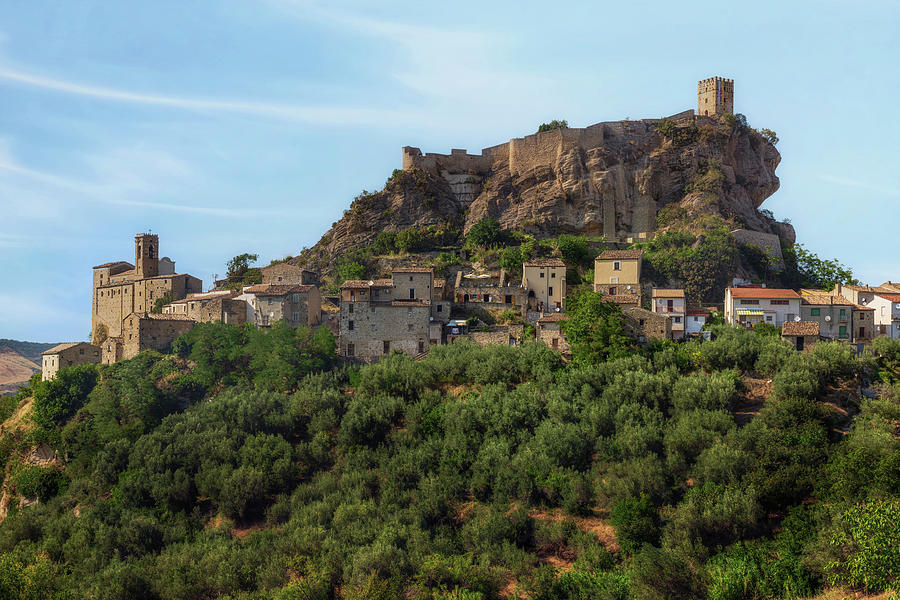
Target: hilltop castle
x=121, y=289
x=715, y=97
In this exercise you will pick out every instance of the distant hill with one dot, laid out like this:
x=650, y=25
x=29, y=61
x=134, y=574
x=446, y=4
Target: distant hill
x=18, y=362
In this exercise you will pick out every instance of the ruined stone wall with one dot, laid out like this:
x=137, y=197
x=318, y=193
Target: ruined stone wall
x=767, y=242
x=644, y=325
x=552, y=335
x=145, y=332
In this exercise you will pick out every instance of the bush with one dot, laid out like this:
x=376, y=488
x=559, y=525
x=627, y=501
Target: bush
x=868, y=546
x=484, y=233
x=554, y=124
x=57, y=399
x=636, y=523
x=39, y=482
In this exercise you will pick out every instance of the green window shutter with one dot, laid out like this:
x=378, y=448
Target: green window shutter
x=815, y=312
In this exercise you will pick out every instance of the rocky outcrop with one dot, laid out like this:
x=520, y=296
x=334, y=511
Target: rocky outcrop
x=615, y=179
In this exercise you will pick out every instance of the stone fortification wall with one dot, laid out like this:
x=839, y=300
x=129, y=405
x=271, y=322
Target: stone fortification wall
x=767, y=242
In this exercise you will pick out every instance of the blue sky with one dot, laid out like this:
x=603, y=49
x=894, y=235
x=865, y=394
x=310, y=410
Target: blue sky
x=235, y=126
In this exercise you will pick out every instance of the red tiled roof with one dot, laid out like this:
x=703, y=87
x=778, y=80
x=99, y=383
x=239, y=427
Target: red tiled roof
x=545, y=262
x=697, y=313
x=767, y=293
x=894, y=297
x=413, y=270
x=620, y=254
x=60, y=347
x=114, y=264
x=623, y=299
x=671, y=293
x=800, y=328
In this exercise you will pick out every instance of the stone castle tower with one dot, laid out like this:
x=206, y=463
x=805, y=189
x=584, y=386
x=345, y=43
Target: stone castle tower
x=146, y=255
x=715, y=96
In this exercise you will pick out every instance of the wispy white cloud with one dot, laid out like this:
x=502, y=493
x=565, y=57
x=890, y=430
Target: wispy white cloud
x=333, y=115
x=861, y=185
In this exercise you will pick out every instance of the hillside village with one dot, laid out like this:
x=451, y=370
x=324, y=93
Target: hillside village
x=410, y=308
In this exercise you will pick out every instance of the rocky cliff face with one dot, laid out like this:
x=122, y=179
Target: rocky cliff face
x=617, y=180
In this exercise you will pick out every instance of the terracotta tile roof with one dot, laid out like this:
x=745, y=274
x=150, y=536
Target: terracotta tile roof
x=892, y=297
x=623, y=299
x=773, y=293
x=858, y=307
x=416, y=302
x=620, y=254
x=869, y=288
x=821, y=298
x=545, y=262
x=413, y=270
x=272, y=289
x=800, y=328
x=670, y=293
x=554, y=318
x=357, y=284
x=159, y=316
x=697, y=313
x=115, y=263
x=60, y=347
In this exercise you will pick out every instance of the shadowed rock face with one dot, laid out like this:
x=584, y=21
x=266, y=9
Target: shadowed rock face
x=609, y=179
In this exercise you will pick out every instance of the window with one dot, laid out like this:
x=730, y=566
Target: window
x=842, y=331
x=612, y=291
x=778, y=302
x=676, y=319
x=81, y=351
x=151, y=294
x=614, y=280
x=296, y=316
x=372, y=310
x=350, y=308
x=410, y=277
x=768, y=318
x=695, y=319
x=387, y=347
x=617, y=266
x=296, y=298
x=440, y=307
x=552, y=275
x=412, y=294
x=421, y=347
x=749, y=302
x=815, y=312
x=350, y=349
x=843, y=314
x=542, y=274
x=350, y=325
x=550, y=291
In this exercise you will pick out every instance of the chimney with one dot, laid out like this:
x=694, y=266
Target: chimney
x=838, y=288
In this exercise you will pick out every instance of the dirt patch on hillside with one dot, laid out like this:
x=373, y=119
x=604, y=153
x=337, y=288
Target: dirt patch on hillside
x=752, y=398
x=595, y=525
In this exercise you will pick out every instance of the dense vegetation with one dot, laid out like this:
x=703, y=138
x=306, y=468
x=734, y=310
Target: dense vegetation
x=245, y=465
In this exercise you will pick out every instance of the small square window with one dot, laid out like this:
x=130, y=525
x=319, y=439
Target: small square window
x=542, y=274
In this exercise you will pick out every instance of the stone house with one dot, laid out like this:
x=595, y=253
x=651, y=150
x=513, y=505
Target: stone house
x=492, y=291
x=618, y=272
x=288, y=274
x=544, y=282
x=216, y=306
x=645, y=325
x=440, y=301
x=749, y=306
x=294, y=304
x=67, y=355
x=120, y=288
x=671, y=303
x=549, y=331
x=834, y=314
x=505, y=335
x=383, y=315
x=800, y=334
x=145, y=331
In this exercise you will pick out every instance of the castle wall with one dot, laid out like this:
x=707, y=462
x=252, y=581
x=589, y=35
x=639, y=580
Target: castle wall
x=151, y=332
x=767, y=242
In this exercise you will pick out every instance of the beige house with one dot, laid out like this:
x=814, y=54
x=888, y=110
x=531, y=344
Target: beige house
x=749, y=306
x=834, y=314
x=646, y=325
x=883, y=301
x=288, y=274
x=618, y=272
x=800, y=334
x=294, y=304
x=120, y=288
x=670, y=303
x=544, y=282
x=67, y=355
x=382, y=315
x=549, y=331
x=216, y=306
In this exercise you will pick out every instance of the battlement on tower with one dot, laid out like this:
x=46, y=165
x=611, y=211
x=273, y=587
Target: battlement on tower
x=715, y=96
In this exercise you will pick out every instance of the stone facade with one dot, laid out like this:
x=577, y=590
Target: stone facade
x=384, y=315
x=544, y=281
x=618, y=272
x=216, y=306
x=801, y=334
x=295, y=304
x=645, y=325
x=147, y=331
x=715, y=96
x=832, y=314
x=549, y=331
x=502, y=335
x=285, y=273
x=120, y=288
x=67, y=355
x=488, y=290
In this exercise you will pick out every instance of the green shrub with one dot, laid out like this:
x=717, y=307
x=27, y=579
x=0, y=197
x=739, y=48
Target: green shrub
x=57, y=399
x=636, y=522
x=867, y=546
x=39, y=482
x=484, y=233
